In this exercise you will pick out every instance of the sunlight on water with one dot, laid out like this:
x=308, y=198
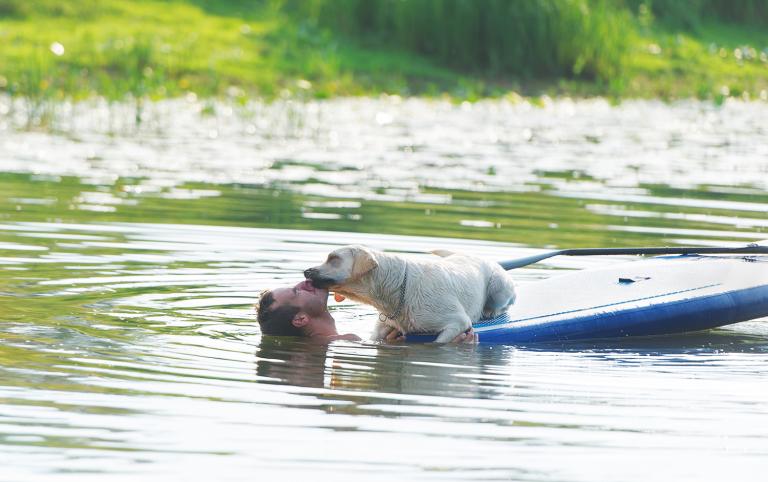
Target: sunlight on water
x=341, y=148
x=130, y=348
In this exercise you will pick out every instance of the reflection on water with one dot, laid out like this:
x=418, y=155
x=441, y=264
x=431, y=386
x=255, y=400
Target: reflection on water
x=128, y=347
x=549, y=175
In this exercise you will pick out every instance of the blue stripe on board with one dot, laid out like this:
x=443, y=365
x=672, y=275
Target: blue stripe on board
x=504, y=319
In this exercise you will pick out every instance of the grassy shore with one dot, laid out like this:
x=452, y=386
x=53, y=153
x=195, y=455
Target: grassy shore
x=149, y=49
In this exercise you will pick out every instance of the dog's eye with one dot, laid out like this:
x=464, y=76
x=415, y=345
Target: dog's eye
x=333, y=259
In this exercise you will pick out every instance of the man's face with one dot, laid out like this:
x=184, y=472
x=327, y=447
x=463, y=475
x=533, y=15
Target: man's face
x=308, y=299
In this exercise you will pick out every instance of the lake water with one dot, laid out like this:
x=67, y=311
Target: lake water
x=130, y=257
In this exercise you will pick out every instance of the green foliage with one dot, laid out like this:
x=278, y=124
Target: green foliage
x=528, y=38
x=739, y=11
x=690, y=14
x=146, y=49
x=50, y=8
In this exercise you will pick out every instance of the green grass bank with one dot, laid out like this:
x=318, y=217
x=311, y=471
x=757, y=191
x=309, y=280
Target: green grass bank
x=151, y=49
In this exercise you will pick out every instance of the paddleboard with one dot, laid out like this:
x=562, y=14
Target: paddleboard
x=652, y=296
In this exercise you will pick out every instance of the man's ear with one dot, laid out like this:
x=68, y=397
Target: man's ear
x=300, y=320
x=363, y=261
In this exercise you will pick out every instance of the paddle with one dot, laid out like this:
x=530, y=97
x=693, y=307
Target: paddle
x=520, y=262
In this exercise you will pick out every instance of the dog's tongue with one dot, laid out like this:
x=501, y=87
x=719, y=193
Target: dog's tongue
x=339, y=298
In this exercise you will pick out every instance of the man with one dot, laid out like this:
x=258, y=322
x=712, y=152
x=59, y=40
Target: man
x=302, y=310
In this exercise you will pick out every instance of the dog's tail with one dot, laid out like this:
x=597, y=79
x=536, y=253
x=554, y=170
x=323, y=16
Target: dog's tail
x=443, y=253
x=500, y=294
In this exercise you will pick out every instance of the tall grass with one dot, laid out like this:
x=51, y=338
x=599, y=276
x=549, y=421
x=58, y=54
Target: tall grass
x=55, y=8
x=137, y=50
x=528, y=38
x=738, y=11
x=118, y=70
x=53, y=51
x=690, y=13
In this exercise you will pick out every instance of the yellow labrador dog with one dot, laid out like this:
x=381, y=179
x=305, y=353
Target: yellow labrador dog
x=443, y=295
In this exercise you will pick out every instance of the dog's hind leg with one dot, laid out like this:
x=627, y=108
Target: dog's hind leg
x=456, y=323
x=500, y=294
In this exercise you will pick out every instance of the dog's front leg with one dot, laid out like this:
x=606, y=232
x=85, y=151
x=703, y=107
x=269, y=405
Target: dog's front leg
x=380, y=331
x=456, y=324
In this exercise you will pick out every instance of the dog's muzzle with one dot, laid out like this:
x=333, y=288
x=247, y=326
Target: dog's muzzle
x=318, y=281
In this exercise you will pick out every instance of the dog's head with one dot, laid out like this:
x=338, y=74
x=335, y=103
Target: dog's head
x=343, y=265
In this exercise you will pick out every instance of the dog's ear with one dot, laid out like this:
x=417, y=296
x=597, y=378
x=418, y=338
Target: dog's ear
x=364, y=261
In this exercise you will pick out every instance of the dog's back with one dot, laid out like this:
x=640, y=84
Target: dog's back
x=456, y=285
x=498, y=290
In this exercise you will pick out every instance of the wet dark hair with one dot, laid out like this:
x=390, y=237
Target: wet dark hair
x=277, y=321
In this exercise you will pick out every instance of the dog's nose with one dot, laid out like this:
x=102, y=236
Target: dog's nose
x=309, y=273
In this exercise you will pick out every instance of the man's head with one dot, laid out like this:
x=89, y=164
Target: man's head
x=301, y=310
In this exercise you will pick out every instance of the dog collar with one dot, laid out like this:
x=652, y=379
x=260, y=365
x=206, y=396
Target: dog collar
x=398, y=311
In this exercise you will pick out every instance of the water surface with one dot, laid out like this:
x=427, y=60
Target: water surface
x=129, y=347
